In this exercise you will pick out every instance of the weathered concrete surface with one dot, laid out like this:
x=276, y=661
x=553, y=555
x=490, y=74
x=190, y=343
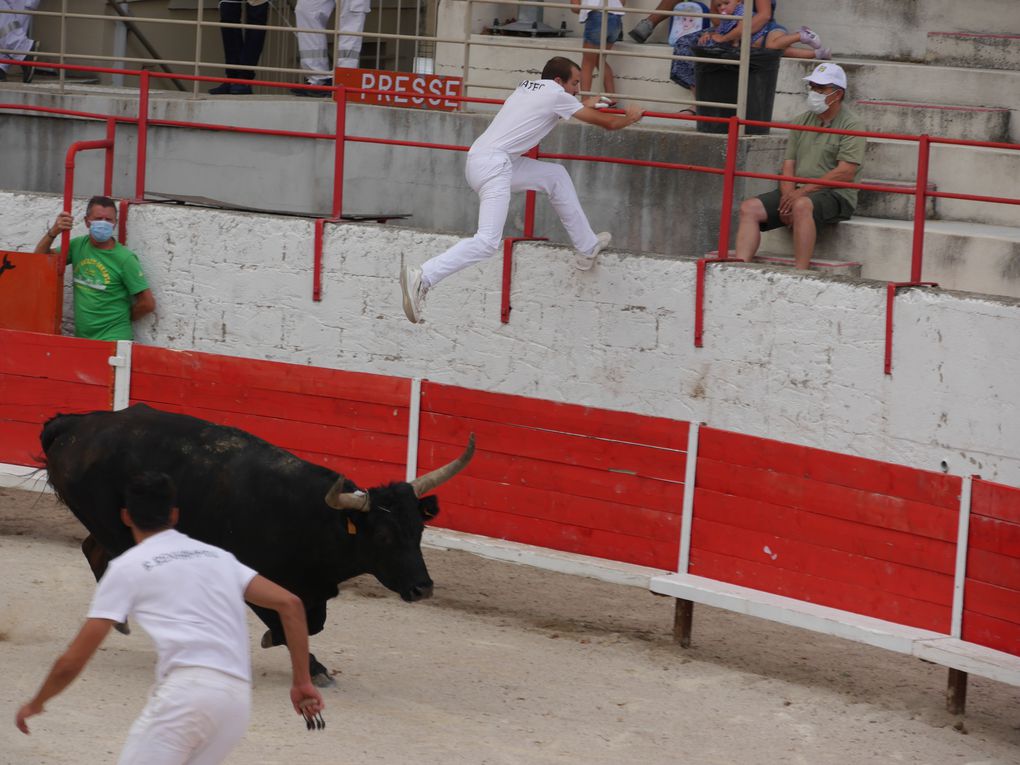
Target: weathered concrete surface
x=788, y=356
x=664, y=211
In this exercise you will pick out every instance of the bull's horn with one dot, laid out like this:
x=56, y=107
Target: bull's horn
x=429, y=481
x=338, y=499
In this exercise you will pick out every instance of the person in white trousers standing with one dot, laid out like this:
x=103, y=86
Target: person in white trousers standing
x=190, y=598
x=313, y=48
x=495, y=169
x=14, y=31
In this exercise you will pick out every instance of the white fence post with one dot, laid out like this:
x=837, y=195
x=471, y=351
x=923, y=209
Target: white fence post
x=414, y=412
x=121, y=364
x=962, y=537
x=688, y=504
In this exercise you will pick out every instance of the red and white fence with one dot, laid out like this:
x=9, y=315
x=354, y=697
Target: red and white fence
x=911, y=560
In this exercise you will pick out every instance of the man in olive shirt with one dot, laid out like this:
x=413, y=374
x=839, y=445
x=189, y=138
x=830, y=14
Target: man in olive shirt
x=826, y=156
x=110, y=290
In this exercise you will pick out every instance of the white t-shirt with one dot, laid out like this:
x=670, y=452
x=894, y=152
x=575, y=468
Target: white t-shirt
x=187, y=595
x=527, y=116
x=595, y=4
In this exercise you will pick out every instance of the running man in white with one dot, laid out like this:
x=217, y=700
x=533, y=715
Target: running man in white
x=495, y=169
x=189, y=597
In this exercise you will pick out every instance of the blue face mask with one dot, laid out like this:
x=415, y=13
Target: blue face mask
x=101, y=230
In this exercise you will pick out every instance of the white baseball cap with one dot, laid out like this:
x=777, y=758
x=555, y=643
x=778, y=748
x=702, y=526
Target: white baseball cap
x=828, y=74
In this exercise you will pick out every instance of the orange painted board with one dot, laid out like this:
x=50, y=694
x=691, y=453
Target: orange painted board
x=801, y=586
x=621, y=488
x=518, y=528
x=558, y=448
x=562, y=508
x=824, y=565
x=993, y=568
x=825, y=531
x=857, y=505
x=72, y=359
x=244, y=399
x=293, y=436
x=991, y=632
x=830, y=467
x=555, y=416
x=987, y=599
x=272, y=375
x=19, y=443
x=995, y=500
x=994, y=535
x=31, y=291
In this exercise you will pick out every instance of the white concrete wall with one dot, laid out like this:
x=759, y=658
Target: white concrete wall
x=787, y=356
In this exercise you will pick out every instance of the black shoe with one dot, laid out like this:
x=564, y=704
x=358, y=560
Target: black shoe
x=240, y=90
x=223, y=89
x=315, y=93
x=28, y=72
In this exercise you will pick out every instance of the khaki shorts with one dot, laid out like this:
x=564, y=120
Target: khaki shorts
x=828, y=207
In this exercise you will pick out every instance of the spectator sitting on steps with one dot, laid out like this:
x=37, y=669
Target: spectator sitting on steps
x=762, y=19
x=777, y=38
x=825, y=156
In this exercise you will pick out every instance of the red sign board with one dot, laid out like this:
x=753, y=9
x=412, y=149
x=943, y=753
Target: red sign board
x=414, y=91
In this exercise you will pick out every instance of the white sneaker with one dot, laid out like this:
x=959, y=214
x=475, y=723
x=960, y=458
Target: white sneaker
x=585, y=260
x=414, y=293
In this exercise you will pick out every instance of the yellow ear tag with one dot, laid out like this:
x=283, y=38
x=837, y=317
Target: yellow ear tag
x=351, y=528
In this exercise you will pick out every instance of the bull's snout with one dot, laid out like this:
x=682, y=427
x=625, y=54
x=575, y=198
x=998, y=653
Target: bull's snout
x=418, y=592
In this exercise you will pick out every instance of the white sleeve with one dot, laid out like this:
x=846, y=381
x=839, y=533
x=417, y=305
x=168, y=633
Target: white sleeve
x=566, y=105
x=114, y=596
x=244, y=574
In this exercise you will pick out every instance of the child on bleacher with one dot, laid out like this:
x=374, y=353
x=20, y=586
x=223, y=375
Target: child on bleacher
x=773, y=36
x=592, y=21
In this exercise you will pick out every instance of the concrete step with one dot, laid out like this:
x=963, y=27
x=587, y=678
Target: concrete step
x=830, y=267
x=955, y=169
x=978, y=123
x=973, y=49
x=880, y=204
x=909, y=83
x=959, y=256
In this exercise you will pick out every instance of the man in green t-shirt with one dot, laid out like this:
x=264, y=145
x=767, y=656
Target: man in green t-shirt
x=826, y=156
x=110, y=290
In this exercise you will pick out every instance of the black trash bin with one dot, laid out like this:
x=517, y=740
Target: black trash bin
x=718, y=82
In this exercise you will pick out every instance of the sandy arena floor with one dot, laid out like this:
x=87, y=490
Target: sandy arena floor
x=505, y=664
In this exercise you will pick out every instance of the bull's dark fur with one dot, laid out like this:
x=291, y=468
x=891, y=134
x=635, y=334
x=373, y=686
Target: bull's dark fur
x=243, y=494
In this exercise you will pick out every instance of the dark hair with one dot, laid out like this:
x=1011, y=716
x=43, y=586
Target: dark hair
x=150, y=497
x=100, y=201
x=560, y=68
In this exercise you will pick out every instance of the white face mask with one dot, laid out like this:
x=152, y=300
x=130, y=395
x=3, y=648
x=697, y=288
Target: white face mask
x=817, y=102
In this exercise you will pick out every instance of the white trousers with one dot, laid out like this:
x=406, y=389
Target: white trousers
x=14, y=28
x=194, y=716
x=313, y=48
x=495, y=176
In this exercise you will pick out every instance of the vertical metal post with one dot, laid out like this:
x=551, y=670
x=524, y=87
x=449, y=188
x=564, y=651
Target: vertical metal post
x=920, y=208
x=120, y=32
x=467, y=53
x=744, y=72
x=198, y=46
x=600, y=83
x=339, y=149
x=890, y=299
x=63, y=43
x=728, y=183
x=143, y=134
x=111, y=134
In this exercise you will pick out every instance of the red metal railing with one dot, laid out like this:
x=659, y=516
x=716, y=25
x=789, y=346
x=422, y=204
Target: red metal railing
x=340, y=137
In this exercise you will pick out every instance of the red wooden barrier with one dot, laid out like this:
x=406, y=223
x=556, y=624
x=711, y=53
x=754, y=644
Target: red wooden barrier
x=855, y=534
x=41, y=375
x=991, y=612
x=562, y=476
x=350, y=422
x=31, y=291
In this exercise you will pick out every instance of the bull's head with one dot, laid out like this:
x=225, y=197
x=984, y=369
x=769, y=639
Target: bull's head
x=389, y=520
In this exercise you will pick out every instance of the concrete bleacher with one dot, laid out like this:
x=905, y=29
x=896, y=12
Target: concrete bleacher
x=943, y=68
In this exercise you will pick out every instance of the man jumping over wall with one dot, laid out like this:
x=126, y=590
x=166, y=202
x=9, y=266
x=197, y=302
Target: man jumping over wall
x=495, y=169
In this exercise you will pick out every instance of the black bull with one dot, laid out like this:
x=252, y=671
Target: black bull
x=301, y=525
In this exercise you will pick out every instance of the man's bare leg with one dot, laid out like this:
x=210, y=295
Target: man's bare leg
x=752, y=215
x=804, y=232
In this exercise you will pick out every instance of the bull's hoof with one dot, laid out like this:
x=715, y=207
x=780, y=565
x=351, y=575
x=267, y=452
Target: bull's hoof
x=123, y=628
x=323, y=680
